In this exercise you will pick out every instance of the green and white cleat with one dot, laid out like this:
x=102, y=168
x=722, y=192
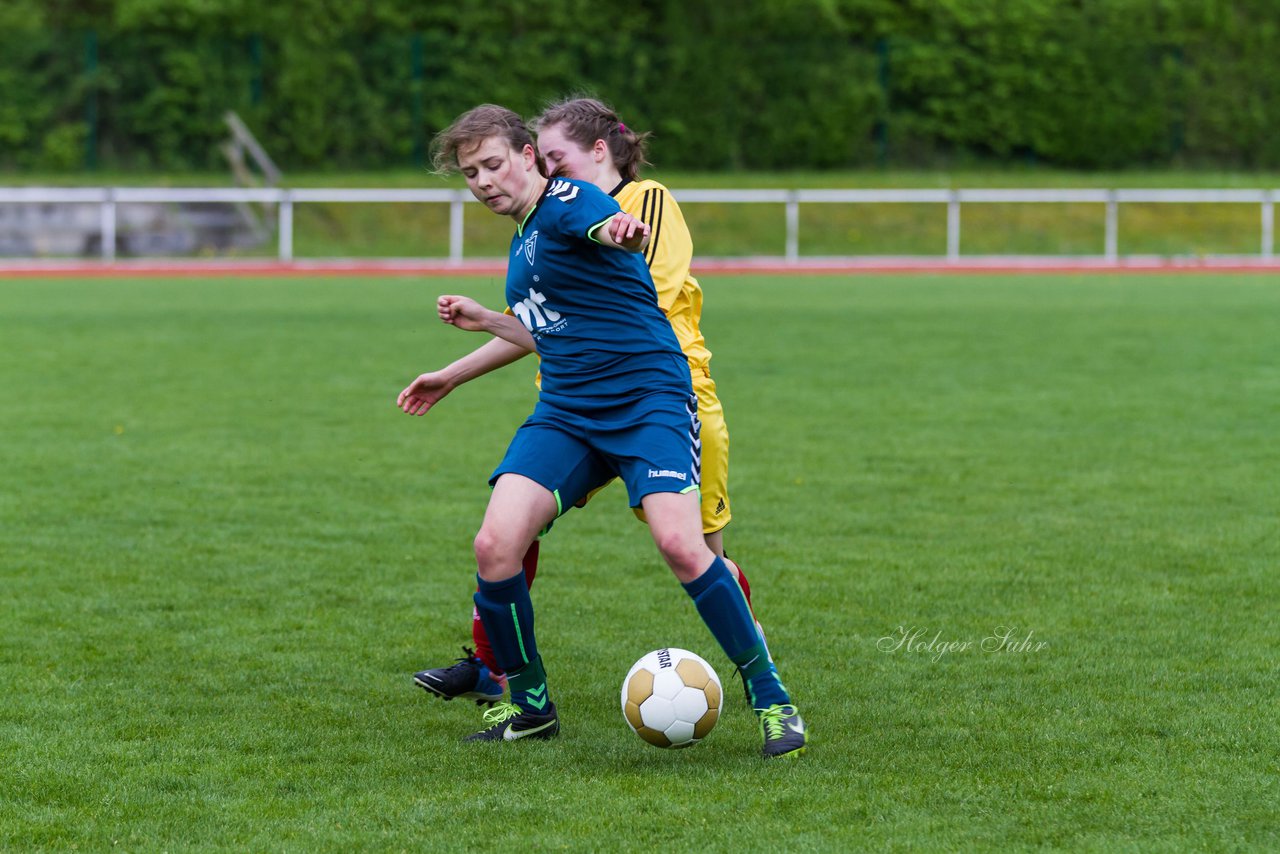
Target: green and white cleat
x=509, y=722
x=784, y=731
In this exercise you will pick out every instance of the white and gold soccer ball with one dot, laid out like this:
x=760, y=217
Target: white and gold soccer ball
x=671, y=698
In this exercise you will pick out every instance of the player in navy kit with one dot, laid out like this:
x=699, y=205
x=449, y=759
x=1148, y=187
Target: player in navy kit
x=616, y=400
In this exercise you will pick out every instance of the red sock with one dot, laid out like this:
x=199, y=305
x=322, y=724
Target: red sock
x=484, y=651
x=530, y=563
x=744, y=584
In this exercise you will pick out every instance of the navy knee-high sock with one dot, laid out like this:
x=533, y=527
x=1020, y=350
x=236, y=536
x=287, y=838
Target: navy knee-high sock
x=507, y=613
x=723, y=608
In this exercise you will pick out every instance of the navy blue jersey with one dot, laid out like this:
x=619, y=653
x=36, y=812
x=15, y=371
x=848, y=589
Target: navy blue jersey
x=592, y=309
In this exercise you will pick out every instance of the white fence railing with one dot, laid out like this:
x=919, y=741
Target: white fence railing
x=109, y=199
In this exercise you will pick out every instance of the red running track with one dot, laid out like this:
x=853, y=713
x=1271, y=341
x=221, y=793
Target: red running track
x=765, y=266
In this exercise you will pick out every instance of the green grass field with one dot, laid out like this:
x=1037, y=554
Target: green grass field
x=223, y=552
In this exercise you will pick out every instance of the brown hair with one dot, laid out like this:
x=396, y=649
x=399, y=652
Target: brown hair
x=472, y=128
x=584, y=120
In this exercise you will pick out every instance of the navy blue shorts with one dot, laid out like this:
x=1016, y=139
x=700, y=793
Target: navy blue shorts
x=651, y=443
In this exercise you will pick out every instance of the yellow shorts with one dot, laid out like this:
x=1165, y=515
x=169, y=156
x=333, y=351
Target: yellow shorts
x=716, y=512
x=715, y=456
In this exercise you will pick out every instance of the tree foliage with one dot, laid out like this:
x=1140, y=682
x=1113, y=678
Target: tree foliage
x=768, y=84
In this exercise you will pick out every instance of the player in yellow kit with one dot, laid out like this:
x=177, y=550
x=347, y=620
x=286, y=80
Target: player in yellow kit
x=679, y=295
x=574, y=141
x=584, y=139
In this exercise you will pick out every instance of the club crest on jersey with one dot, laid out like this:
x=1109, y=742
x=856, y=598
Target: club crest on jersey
x=563, y=190
x=530, y=243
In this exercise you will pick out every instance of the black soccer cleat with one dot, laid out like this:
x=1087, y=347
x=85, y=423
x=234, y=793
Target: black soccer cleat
x=784, y=731
x=510, y=722
x=468, y=679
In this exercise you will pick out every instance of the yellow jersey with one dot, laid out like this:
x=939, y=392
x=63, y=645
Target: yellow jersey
x=669, y=255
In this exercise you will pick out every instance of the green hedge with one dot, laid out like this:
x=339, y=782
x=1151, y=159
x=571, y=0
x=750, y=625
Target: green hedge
x=770, y=84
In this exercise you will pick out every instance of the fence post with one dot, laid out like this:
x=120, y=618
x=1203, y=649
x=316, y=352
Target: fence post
x=455, y=228
x=953, y=226
x=793, y=226
x=1112, y=247
x=1268, y=224
x=107, y=224
x=285, y=229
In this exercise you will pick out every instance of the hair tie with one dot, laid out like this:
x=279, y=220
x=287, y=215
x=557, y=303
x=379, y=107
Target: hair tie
x=622, y=128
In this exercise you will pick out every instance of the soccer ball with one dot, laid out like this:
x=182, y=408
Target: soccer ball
x=671, y=698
